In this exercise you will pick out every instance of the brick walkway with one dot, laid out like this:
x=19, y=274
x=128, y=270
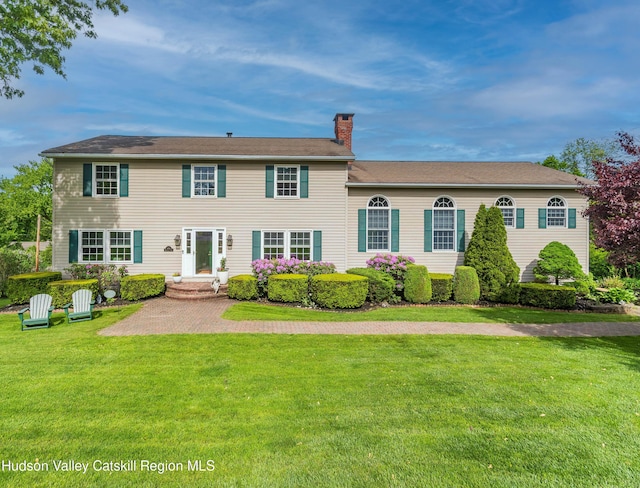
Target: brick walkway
x=167, y=316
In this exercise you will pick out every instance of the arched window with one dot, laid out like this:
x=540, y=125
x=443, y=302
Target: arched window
x=444, y=224
x=507, y=207
x=378, y=224
x=556, y=212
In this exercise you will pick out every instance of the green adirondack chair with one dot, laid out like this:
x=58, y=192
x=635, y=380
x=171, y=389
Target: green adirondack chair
x=82, y=306
x=40, y=310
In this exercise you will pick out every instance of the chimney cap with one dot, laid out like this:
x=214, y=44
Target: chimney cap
x=343, y=116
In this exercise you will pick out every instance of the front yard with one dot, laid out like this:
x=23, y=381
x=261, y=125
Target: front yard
x=300, y=410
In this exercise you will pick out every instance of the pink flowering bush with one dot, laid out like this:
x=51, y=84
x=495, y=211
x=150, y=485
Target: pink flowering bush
x=263, y=268
x=394, y=266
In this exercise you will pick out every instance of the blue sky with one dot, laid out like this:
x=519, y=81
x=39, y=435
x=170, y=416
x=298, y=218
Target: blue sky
x=467, y=80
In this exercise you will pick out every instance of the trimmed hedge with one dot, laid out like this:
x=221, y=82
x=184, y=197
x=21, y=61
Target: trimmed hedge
x=142, y=286
x=243, y=287
x=381, y=285
x=466, y=286
x=288, y=288
x=20, y=288
x=417, y=284
x=509, y=294
x=339, y=290
x=61, y=291
x=441, y=286
x=547, y=296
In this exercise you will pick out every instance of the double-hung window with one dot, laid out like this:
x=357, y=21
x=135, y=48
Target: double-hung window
x=556, y=212
x=378, y=224
x=204, y=181
x=106, y=181
x=106, y=246
x=92, y=246
x=120, y=246
x=507, y=207
x=444, y=224
x=287, y=244
x=287, y=181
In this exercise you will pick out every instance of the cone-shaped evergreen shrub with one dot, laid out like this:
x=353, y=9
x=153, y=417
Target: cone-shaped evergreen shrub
x=466, y=287
x=558, y=261
x=489, y=254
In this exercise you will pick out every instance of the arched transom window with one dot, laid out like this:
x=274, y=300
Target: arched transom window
x=378, y=224
x=507, y=207
x=556, y=212
x=444, y=224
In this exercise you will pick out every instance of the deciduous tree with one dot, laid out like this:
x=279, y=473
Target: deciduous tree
x=38, y=31
x=558, y=261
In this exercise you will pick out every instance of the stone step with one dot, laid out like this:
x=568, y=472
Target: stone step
x=194, y=291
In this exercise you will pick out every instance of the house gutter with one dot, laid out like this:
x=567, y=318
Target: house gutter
x=214, y=157
x=528, y=186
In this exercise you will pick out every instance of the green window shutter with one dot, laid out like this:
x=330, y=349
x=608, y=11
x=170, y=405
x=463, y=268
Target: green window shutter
x=256, y=245
x=572, y=218
x=186, y=181
x=395, y=230
x=428, y=230
x=73, y=246
x=542, y=218
x=137, y=246
x=520, y=218
x=362, y=230
x=269, y=182
x=222, y=180
x=460, y=231
x=317, y=245
x=124, y=180
x=87, y=179
x=304, y=181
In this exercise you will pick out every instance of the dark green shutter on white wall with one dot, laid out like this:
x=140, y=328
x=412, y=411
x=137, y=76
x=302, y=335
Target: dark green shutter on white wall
x=428, y=230
x=73, y=246
x=186, y=181
x=317, y=245
x=124, y=180
x=268, y=189
x=520, y=218
x=222, y=181
x=137, y=246
x=395, y=230
x=542, y=218
x=460, y=231
x=256, y=245
x=304, y=181
x=87, y=179
x=362, y=230
x=572, y=218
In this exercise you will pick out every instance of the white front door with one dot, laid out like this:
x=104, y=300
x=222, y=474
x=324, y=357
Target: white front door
x=202, y=250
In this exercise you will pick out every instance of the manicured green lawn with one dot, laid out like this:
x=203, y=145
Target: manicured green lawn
x=512, y=315
x=304, y=410
x=4, y=301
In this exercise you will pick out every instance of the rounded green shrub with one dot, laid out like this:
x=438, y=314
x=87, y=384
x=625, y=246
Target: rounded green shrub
x=288, y=288
x=62, y=290
x=547, y=296
x=142, y=286
x=243, y=287
x=417, y=284
x=20, y=288
x=339, y=290
x=381, y=285
x=466, y=286
x=441, y=286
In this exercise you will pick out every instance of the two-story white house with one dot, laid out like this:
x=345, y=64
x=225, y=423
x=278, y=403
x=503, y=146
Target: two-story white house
x=181, y=204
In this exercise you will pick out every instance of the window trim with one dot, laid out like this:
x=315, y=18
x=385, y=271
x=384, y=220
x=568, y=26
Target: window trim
x=106, y=246
x=513, y=207
x=564, y=207
x=193, y=180
x=388, y=209
x=275, y=181
x=287, y=241
x=454, y=230
x=94, y=179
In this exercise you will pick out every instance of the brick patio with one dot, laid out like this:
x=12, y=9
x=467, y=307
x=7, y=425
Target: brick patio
x=166, y=316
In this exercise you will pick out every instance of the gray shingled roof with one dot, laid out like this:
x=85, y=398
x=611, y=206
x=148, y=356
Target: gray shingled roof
x=141, y=146
x=458, y=174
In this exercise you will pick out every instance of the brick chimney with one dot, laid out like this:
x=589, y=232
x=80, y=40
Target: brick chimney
x=343, y=128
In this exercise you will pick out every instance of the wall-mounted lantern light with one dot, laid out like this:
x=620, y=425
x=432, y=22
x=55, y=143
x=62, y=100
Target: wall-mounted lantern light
x=177, y=240
x=229, y=241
